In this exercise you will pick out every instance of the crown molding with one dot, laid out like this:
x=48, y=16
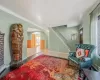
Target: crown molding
x=18, y=16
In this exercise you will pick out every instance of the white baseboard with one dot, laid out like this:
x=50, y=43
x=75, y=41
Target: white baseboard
x=2, y=68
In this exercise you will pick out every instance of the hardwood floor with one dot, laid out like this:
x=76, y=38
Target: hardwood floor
x=8, y=69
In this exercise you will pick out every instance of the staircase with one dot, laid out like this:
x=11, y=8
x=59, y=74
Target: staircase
x=68, y=42
x=62, y=39
x=61, y=36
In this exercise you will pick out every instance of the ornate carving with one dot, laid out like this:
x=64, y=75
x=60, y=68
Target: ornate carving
x=1, y=49
x=16, y=42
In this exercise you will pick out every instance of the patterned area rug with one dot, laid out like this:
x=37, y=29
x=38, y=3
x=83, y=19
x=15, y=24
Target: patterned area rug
x=44, y=68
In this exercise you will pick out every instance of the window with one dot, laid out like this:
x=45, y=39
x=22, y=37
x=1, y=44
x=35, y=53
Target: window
x=98, y=35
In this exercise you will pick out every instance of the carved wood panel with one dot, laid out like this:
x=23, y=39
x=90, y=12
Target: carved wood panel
x=1, y=49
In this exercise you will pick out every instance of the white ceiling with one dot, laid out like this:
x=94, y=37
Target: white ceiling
x=50, y=13
x=33, y=30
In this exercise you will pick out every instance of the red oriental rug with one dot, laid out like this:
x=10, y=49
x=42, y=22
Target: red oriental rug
x=44, y=68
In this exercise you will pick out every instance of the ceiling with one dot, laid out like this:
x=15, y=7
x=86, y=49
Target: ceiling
x=50, y=13
x=33, y=30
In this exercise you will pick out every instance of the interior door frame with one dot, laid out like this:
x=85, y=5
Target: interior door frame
x=81, y=36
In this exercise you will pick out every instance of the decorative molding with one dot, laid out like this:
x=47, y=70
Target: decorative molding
x=95, y=6
x=97, y=3
x=18, y=16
